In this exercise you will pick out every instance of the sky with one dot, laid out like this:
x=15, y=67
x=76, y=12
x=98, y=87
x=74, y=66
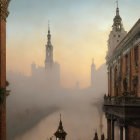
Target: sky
x=79, y=29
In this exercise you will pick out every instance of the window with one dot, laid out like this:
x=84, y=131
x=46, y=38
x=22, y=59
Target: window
x=136, y=55
x=118, y=35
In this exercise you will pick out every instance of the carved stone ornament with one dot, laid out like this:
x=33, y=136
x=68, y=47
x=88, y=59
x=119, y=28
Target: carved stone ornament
x=125, y=84
x=4, y=9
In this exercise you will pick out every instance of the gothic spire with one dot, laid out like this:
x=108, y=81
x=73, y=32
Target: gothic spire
x=117, y=9
x=49, y=33
x=117, y=25
x=60, y=133
x=60, y=124
x=49, y=51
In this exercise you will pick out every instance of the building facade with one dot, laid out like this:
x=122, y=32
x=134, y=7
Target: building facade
x=122, y=104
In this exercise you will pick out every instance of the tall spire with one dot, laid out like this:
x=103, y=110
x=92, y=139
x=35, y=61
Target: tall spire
x=117, y=9
x=48, y=26
x=60, y=133
x=117, y=33
x=49, y=33
x=117, y=3
x=49, y=51
x=117, y=25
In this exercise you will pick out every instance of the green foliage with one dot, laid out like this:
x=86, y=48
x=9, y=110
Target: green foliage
x=7, y=83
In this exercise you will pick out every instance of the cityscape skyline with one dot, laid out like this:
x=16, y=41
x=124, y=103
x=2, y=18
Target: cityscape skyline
x=78, y=34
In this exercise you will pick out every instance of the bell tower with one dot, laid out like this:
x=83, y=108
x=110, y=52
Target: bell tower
x=117, y=33
x=60, y=134
x=49, y=52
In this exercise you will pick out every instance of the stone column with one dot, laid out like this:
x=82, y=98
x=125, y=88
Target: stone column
x=108, y=129
x=112, y=129
x=3, y=15
x=121, y=132
x=129, y=56
x=126, y=128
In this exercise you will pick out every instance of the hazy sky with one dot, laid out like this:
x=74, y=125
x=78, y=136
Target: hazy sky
x=79, y=31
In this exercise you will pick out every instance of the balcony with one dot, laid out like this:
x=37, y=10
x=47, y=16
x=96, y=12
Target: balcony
x=126, y=107
x=122, y=101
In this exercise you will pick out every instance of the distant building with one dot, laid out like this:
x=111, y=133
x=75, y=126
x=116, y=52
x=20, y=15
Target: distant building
x=49, y=53
x=51, y=71
x=122, y=104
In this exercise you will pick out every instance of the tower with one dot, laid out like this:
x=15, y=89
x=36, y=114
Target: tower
x=60, y=134
x=93, y=69
x=49, y=52
x=117, y=33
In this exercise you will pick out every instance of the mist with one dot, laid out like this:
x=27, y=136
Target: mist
x=36, y=101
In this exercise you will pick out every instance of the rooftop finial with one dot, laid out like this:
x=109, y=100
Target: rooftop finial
x=48, y=26
x=117, y=3
x=60, y=116
x=117, y=9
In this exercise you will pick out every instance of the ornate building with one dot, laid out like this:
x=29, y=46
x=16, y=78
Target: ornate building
x=122, y=104
x=116, y=35
x=49, y=52
x=50, y=73
x=3, y=15
x=60, y=134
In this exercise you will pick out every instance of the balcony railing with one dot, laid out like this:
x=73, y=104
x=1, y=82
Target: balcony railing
x=122, y=100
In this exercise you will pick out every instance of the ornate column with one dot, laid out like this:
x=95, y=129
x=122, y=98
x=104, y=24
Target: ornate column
x=3, y=15
x=108, y=129
x=108, y=116
x=112, y=129
x=126, y=128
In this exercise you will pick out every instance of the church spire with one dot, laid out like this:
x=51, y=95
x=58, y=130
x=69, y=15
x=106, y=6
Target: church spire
x=60, y=133
x=117, y=34
x=49, y=51
x=117, y=9
x=49, y=33
x=117, y=25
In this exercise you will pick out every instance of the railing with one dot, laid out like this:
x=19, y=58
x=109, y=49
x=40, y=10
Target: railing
x=122, y=100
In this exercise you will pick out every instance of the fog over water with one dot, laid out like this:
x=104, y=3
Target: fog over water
x=34, y=106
